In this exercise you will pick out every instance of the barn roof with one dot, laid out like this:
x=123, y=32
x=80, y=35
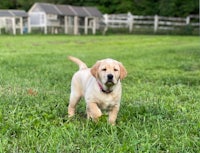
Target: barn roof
x=93, y=11
x=13, y=13
x=67, y=10
x=80, y=11
x=49, y=8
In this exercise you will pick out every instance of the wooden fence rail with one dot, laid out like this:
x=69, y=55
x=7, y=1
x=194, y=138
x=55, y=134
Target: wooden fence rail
x=155, y=22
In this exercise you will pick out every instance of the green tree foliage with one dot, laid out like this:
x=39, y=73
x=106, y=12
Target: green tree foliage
x=178, y=7
x=138, y=7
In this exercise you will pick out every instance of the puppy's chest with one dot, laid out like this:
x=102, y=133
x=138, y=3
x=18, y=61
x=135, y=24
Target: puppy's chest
x=107, y=102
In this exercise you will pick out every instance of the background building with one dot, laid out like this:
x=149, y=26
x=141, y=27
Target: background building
x=66, y=19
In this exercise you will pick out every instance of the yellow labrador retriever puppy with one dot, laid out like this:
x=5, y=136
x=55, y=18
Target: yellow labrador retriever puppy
x=100, y=86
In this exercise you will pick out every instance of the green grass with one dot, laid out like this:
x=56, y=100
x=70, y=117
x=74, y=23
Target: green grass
x=160, y=107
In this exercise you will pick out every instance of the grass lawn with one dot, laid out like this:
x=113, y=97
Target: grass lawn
x=160, y=107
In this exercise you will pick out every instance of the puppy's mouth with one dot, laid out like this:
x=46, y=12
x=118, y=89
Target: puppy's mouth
x=109, y=83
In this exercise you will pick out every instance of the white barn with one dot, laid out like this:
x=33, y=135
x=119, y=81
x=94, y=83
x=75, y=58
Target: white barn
x=64, y=18
x=13, y=21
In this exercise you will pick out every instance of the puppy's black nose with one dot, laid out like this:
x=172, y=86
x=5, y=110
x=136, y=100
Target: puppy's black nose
x=110, y=76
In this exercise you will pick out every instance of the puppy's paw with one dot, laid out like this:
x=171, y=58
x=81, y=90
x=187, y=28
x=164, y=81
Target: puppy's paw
x=71, y=112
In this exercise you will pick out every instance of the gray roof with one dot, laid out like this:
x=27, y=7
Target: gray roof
x=66, y=10
x=13, y=13
x=80, y=11
x=69, y=10
x=93, y=11
x=49, y=8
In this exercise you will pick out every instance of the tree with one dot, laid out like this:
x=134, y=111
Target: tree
x=178, y=7
x=139, y=7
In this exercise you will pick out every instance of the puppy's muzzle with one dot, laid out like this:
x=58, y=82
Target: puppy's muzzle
x=110, y=77
x=110, y=81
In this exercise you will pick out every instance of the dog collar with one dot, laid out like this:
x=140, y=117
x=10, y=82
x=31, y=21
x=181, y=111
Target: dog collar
x=104, y=91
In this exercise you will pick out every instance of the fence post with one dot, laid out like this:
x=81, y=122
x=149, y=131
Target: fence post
x=156, y=20
x=45, y=21
x=29, y=24
x=130, y=22
x=188, y=20
x=1, y=25
x=13, y=26
x=106, y=22
x=94, y=26
x=66, y=24
x=86, y=25
x=76, y=25
x=21, y=25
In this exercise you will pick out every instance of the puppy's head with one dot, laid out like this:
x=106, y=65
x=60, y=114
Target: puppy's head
x=108, y=72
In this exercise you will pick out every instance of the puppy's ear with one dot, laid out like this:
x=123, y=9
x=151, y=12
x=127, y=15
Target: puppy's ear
x=94, y=69
x=123, y=72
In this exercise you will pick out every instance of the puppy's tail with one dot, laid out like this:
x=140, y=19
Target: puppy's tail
x=81, y=64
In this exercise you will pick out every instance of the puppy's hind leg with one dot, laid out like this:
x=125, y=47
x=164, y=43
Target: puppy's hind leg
x=75, y=95
x=74, y=99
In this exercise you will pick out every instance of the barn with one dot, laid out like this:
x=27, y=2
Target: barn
x=52, y=18
x=13, y=21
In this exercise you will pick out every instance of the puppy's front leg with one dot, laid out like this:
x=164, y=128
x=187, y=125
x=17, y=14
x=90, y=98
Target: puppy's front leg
x=113, y=114
x=93, y=111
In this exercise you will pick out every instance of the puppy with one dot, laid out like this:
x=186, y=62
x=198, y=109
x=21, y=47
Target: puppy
x=100, y=86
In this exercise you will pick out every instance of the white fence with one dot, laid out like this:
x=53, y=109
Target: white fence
x=154, y=22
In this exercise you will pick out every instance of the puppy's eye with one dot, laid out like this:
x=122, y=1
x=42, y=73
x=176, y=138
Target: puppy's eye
x=115, y=70
x=104, y=69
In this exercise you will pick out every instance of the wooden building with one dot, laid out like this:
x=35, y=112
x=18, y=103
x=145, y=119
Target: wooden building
x=64, y=18
x=13, y=21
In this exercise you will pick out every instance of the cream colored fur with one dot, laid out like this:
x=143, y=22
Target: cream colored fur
x=100, y=86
